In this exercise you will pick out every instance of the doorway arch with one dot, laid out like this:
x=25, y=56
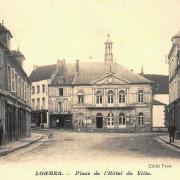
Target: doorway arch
x=99, y=120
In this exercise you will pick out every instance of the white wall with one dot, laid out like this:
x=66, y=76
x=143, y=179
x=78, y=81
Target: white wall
x=158, y=116
x=164, y=98
x=41, y=95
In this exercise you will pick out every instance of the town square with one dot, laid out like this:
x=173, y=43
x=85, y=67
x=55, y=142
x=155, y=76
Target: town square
x=89, y=89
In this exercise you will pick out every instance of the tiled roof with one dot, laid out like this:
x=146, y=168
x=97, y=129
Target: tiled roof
x=88, y=72
x=156, y=102
x=161, y=83
x=3, y=29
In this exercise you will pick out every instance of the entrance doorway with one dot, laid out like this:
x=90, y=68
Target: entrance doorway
x=61, y=121
x=99, y=120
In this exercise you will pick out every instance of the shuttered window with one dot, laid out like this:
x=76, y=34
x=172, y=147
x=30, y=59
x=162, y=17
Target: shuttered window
x=13, y=80
x=25, y=91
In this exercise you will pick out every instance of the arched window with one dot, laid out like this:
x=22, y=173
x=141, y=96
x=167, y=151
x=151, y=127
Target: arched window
x=140, y=118
x=122, y=97
x=140, y=96
x=110, y=120
x=110, y=97
x=80, y=97
x=99, y=97
x=122, y=119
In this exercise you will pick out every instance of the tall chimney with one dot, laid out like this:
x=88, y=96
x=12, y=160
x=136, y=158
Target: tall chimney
x=60, y=66
x=77, y=65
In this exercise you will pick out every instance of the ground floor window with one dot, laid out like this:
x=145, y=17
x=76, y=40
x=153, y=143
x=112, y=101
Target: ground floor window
x=140, y=119
x=110, y=120
x=122, y=120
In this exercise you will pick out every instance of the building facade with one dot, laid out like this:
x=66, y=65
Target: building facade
x=39, y=100
x=15, y=96
x=97, y=96
x=160, y=90
x=173, y=109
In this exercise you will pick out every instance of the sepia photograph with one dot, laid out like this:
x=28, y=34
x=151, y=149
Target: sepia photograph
x=89, y=89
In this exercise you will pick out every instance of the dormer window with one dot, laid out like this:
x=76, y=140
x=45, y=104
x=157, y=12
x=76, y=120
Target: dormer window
x=61, y=80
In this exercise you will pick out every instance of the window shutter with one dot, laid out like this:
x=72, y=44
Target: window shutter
x=19, y=87
x=22, y=87
x=25, y=91
x=13, y=80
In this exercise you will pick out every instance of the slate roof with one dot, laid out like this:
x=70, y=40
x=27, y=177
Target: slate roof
x=91, y=71
x=161, y=83
x=88, y=72
x=177, y=34
x=10, y=57
x=17, y=53
x=42, y=73
x=3, y=29
x=68, y=73
x=156, y=102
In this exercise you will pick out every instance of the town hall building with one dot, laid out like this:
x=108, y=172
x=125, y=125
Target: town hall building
x=93, y=96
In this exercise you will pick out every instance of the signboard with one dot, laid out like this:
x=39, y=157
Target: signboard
x=58, y=98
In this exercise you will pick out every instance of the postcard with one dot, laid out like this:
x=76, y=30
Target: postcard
x=89, y=89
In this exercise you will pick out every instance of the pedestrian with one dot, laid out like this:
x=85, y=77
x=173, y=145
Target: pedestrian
x=1, y=132
x=171, y=130
x=57, y=123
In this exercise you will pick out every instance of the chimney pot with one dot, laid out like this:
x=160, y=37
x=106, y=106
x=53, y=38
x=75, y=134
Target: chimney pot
x=35, y=67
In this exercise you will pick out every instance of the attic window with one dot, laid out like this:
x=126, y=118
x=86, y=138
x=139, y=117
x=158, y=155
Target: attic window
x=61, y=92
x=61, y=80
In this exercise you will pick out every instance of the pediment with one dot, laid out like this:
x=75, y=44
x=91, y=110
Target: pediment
x=110, y=79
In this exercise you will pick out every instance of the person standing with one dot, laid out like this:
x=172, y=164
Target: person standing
x=171, y=130
x=1, y=132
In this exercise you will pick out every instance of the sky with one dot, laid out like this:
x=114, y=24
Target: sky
x=47, y=30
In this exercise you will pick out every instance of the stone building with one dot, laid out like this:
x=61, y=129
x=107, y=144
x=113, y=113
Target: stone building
x=173, y=109
x=39, y=95
x=160, y=91
x=15, y=96
x=97, y=96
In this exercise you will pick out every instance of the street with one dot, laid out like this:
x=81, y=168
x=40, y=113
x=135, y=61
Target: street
x=73, y=155
x=88, y=147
